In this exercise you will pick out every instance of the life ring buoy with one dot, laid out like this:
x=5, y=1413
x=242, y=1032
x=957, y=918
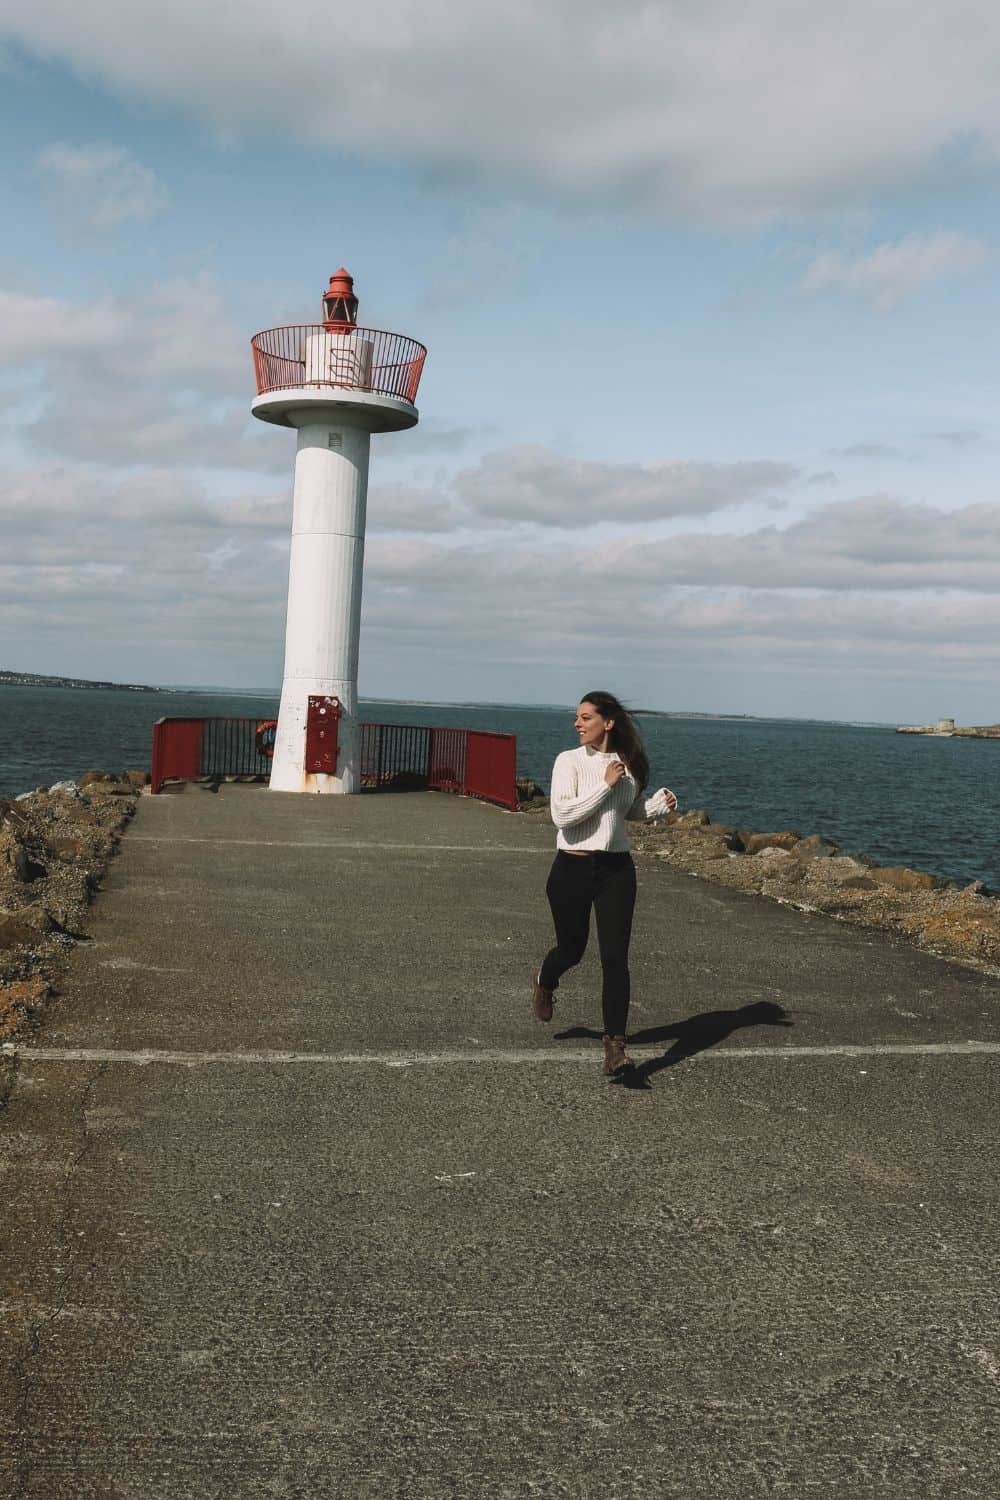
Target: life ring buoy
x=264, y=737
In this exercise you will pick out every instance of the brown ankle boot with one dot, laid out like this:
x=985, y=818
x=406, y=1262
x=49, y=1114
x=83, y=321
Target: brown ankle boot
x=542, y=1000
x=616, y=1059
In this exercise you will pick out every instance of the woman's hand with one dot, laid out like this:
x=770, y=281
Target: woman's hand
x=614, y=772
x=668, y=798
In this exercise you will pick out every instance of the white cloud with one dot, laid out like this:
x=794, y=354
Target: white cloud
x=183, y=334
x=888, y=273
x=876, y=544
x=534, y=484
x=116, y=423
x=964, y=437
x=34, y=328
x=741, y=109
x=875, y=585
x=868, y=450
x=399, y=508
x=100, y=185
x=533, y=605
x=136, y=380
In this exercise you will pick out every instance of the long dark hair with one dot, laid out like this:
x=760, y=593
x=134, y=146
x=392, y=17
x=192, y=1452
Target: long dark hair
x=623, y=737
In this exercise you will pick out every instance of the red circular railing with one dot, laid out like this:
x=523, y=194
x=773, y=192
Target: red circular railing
x=360, y=359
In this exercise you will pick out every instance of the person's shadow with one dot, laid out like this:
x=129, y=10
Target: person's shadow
x=689, y=1037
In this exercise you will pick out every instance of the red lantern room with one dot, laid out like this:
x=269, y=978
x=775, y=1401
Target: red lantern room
x=340, y=306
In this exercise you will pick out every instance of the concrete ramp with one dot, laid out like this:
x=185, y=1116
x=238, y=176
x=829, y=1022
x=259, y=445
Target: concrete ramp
x=296, y=1199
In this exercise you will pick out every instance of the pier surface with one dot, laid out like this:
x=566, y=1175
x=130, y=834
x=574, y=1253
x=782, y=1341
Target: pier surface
x=297, y=1200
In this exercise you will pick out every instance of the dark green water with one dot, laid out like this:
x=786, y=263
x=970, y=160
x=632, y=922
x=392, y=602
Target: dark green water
x=903, y=799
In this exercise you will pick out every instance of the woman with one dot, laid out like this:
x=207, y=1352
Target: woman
x=595, y=788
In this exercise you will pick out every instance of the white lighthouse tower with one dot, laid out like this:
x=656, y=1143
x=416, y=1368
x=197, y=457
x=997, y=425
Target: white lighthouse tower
x=337, y=384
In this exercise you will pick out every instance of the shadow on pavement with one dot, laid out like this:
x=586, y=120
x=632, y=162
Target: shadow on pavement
x=696, y=1034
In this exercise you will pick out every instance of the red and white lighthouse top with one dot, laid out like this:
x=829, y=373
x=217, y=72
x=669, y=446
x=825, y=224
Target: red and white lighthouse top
x=337, y=353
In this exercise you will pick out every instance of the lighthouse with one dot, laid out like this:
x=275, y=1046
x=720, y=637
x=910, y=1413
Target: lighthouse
x=336, y=383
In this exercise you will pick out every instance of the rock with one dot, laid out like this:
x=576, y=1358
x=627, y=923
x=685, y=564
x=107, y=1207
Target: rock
x=754, y=843
x=691, y=841
x=901, y=879
x=695, y=817
x=18, y=999
x=14, y=816
x=964, y=934
x=67, y=847
x=90, y=778
x=65, y=913
x=694, y=851
x=23, y=928
x=711, y=848
x=835, y=870
x=100, y=789
x=772, y=866
x=858, y=883
x=137, y=779
x=78, y=812
x=68, y=788
x=815, y=847
x=14, y=859
x=34, y=916
x=724, y=831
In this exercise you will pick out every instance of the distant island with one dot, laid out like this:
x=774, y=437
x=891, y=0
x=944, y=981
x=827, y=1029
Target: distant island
x=36, y=679
x=947, y=729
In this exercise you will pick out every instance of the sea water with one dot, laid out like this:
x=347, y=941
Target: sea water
x=933, y=804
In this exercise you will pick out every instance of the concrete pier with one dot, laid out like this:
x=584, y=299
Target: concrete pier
x=297, y=1200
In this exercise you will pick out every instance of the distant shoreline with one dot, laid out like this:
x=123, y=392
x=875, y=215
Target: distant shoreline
x=38, y=679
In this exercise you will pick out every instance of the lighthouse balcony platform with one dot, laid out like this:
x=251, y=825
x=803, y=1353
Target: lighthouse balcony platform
x=309, y=365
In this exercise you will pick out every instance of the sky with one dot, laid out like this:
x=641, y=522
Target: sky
x=710, y=293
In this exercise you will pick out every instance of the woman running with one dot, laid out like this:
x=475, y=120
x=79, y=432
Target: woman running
x=595, y=788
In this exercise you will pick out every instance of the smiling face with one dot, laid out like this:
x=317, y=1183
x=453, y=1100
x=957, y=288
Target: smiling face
x=592, y=728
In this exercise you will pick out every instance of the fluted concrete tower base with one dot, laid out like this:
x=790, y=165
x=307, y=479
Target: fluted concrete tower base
x=325, y=570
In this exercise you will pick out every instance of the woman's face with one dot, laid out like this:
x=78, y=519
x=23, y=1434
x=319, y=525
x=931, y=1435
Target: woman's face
x=591, y=726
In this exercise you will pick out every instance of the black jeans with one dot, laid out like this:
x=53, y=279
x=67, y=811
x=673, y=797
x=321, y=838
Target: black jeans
x=605, y=882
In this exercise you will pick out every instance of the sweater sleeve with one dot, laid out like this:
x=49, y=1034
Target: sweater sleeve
x=566, y=804
x=643, y=809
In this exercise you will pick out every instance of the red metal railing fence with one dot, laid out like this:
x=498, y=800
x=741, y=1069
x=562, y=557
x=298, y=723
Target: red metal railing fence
x=392, y=757
x=365, y=359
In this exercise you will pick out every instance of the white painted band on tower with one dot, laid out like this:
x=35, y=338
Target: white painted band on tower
x=337, y=384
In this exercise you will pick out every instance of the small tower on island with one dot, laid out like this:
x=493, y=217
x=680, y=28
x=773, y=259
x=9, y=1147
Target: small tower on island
x=336, y=383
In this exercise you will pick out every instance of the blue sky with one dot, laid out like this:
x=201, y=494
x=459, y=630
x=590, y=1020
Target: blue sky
x=709, y=409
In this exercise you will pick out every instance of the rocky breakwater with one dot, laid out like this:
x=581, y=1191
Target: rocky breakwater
x=954, y=921
x=55, y=845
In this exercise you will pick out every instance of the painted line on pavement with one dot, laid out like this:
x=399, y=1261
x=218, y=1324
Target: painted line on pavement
x=143, y=838
x=403, y=1059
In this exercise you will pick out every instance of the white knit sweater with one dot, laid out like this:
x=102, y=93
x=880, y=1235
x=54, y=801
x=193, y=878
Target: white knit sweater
x=590, y=814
